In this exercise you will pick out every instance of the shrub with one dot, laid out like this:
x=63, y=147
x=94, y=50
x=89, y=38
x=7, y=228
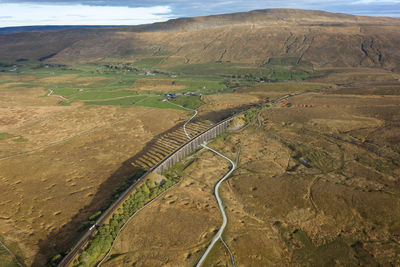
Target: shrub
x=103, y=239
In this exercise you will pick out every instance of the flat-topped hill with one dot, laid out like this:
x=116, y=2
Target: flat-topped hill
x=314, y=37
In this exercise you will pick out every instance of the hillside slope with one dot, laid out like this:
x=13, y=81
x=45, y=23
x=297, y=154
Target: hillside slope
x=321, y=38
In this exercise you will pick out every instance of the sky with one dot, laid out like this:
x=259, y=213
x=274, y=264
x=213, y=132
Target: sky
x=134, y=12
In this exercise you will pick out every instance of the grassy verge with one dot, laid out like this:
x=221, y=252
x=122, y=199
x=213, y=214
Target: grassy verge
x=145, y=193
x=8, y=260
x=103, y=240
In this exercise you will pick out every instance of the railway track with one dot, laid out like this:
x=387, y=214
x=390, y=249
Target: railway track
x=165, y=148
x=86, y=237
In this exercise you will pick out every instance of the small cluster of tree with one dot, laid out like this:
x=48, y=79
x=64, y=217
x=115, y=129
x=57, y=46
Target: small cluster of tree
x=47, y=57
x=115, y=195
x=121, y=67
x=6, y=65
x=103, y=239
x=22, y=60
x=250, y=115
x=57, y=257
x=48, y=65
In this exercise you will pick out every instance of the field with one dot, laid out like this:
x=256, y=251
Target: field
x=190, y=204
x=63, y=162
x=83, y=113
x=60, y=164
x=316, y=186
x=71, y=136
x=269, y=72
x=99, y=84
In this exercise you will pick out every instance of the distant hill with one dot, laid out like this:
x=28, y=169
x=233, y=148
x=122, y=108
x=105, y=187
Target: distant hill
x=7, y=30
x=321, y=39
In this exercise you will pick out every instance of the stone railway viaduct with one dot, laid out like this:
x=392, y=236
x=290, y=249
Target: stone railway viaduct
x=163, y=165
x=160, y=167
x=191, y=146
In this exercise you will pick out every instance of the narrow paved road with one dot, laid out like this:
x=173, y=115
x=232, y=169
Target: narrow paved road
x=218, y=236
x=67, y=260
x=189, y=120
x=133, y=215
x=60, y=96
x=221, y=207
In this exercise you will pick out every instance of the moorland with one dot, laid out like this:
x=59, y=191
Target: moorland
x=82, y=112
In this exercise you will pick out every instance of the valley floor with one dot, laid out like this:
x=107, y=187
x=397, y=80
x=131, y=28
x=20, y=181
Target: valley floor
x=318, y=172
x=317, y=184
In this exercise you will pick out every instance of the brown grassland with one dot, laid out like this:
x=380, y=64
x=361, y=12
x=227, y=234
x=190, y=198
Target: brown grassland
x=342, y=209
x=166, y=242
x=60, y=164
x=72, y=78
x=318, y=178
x=160, y=85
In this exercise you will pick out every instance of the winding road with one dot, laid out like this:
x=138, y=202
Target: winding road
x=85, y=238
x=221, y=207
x=60, y=96
x=218, y=236
x=80, y=244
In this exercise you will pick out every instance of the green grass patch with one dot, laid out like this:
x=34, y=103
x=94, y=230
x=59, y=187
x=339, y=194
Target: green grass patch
x=103, y=239
x=267, y=72
x=127, y=101
x=156, y=102
x=218, y=69
x=192, y=102
x=250, y=115
x=5, y=258
x=176, y=171
x=100, y=95
x=20, y=139
x=205, y=85
x=4, y=136
x=287, y=61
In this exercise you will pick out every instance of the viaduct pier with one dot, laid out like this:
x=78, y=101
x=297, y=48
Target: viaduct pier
x=191, y=146
x=160, y=167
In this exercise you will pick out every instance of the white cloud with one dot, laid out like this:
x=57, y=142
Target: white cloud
x=366, y=2
x=127, y=12
x=45, y=14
